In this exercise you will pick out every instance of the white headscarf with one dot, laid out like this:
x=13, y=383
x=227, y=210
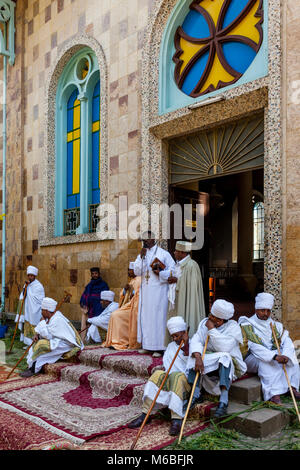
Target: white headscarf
x=108, y=295
x=186, y=247
x=264, y=301
x=222, y=309
x=49, y=304
x=176, y=324
x=32, y=270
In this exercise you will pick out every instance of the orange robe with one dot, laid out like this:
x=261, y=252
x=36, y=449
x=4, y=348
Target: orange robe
x=122, y=327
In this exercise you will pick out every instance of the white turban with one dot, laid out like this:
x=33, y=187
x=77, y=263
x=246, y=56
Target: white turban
x=32, y=270
x=131, y=265
x=176, y=324
x=186, y=247
x=108, y=295
x=49, y=304
x=264, y=301
x=222, y=309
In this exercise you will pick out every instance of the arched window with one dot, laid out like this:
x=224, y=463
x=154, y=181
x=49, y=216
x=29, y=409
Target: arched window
x=77, y=192
x=258, y=231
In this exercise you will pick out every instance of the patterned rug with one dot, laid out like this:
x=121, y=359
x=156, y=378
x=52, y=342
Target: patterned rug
x=4, y=371
x=88, y=400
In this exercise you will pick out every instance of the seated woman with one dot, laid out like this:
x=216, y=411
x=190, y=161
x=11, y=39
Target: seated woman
x=122, y=327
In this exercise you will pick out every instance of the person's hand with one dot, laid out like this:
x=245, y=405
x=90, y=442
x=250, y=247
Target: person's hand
x=36, y=338
x=84, y=310
x=199, y=366
x=172, y=280
x=209, y=324
x=282, y=359
x=143, y=252
x=156, y=270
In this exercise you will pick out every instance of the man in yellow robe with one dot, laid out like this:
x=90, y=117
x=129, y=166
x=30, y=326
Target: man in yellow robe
x=122, y=328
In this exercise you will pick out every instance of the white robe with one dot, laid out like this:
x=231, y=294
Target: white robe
x=153, y=300
x=32, y=310
x=223, y=345
x=260, y=360
x=101, y=321
x=169, y=399
x=62, y=339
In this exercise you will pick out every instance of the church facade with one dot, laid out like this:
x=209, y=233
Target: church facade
x=155, y=101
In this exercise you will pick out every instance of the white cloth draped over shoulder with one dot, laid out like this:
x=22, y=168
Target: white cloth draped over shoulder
x=61, y=336
x=222, y=348
x=153, y=300
x=169, y=398
x=32, y=311
x=100, y=321
x=260, y=359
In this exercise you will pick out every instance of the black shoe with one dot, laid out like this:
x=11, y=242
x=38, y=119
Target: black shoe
x=27, y=373
x=136, y=423
x=175, y=427
x=221, y=410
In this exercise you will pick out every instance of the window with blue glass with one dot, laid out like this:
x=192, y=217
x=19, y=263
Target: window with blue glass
x=78, y=146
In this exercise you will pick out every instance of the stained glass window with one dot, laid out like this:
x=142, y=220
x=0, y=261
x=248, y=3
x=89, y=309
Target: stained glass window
x=73, y=151
x=96, y=145
x=258, y=231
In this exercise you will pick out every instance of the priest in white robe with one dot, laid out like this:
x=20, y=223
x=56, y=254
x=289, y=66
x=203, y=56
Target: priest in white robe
x=55, y=338
x=107, y=298
x=223, y=360
x=32, y=311
x=176, y=389
x=153, y=300
x=263, y=357
x=185, y=294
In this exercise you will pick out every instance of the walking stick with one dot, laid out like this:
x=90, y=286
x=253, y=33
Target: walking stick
x=156, y=396
x=286, y=374
x=192, y=394
x=65, y=299
x=17, y=324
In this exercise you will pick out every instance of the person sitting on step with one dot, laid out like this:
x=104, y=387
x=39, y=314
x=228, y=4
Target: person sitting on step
x=55, y=338
x=176, y=388
x=102, y=320
x=263, y=357
x=223, y=360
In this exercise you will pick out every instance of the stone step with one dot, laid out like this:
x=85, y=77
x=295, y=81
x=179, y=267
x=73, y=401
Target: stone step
x=246, y=391
x=258, y=424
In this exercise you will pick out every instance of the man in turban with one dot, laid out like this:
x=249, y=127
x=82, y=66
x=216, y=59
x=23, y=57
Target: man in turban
x=55, y=338
x=185, y=289
x=102, y=320
x=122, y=327
x=153, y=301
x=263, y=357
x=223, y=360
x=32, y=312
x=90, y=299
x=176, y=389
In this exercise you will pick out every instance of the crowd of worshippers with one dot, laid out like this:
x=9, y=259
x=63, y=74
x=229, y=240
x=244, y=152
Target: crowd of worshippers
x=162, y=305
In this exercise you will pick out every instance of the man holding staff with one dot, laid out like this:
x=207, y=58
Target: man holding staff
x=176, y=389
x=32, y=311
x=55, y=338
x=263, y=357
x=223, y=361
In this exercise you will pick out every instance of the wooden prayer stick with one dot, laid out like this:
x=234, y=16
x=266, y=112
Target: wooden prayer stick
x=156, y=396
x=17, y=324
x=192, y=394
x=19, y=360
x=286, y=374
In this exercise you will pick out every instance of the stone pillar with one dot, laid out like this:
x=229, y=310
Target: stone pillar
x=245, y=233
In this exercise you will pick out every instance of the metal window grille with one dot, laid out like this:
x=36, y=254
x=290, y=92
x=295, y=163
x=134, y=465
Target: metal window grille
x=259, y=229
x=71, y=221
x=94, y=219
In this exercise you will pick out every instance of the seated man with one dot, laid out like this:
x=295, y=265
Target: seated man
x=223, y=355
x=176, y=389
x=55, y=338
x=101, y=321
x=263, y=357
x=122, y=327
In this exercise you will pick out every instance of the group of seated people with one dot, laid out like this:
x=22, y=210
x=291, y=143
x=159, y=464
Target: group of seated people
x=233, y=349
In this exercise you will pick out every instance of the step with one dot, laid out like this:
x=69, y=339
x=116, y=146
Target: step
x=258, y=424
x=246, y=391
